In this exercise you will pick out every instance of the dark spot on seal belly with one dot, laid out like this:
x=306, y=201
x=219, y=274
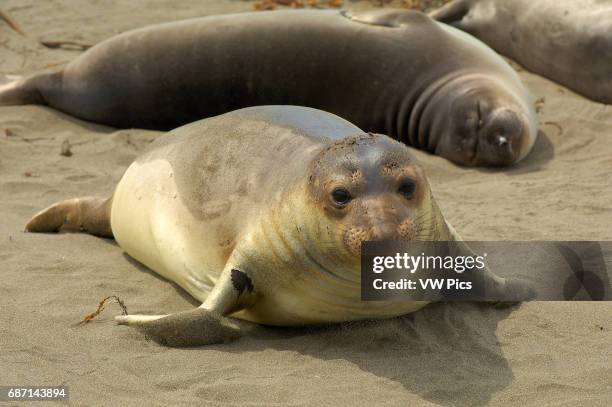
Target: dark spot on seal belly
x=211, y=168
x=241, y=282
x=227, y=247
x=214, y=209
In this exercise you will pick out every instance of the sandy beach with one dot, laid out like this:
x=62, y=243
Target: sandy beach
x=533, y=354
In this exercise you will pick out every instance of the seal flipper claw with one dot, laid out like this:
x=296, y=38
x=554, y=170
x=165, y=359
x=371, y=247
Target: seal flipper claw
x=188, y=328
x=518, y=290
x=134, y=320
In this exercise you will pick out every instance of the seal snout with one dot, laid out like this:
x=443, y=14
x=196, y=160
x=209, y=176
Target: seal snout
x=500, y=138
x=404, y=230
x=381, y=230
x=501, y=141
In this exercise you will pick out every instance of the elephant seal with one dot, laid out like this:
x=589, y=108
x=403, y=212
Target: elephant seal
x=393, y=72
x=260, y=214
x=567, y=41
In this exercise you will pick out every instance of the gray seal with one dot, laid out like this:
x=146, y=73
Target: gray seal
x=260, y=214
x=567, y=41
x=394, y=72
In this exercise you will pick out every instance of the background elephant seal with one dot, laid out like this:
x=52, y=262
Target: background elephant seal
x=260, y=213
x=567, y=41
x=393, y=72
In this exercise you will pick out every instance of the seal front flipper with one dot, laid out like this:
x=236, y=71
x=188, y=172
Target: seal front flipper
x=188, y=328
x=452, y=13
x=205, y=325
x=487, y=286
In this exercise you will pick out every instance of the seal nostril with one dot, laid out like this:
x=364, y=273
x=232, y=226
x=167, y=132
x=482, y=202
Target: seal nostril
x=502, y=141
x=383, y=231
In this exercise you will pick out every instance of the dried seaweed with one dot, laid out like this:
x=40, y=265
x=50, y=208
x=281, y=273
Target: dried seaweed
x=5, y=17
x=101, y=306
x=422, y=5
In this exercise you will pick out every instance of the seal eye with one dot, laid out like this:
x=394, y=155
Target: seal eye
x=341, y=196
x=407, y=188
x=479, y=121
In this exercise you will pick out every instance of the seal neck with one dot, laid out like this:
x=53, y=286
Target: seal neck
x=415, y=124
x=303, y=242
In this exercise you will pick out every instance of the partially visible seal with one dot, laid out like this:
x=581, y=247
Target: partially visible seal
x=260, y=213
x=393, y=72
x=567, y=41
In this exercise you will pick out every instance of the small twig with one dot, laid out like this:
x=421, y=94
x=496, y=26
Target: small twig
x=12, y=134
x=10, y=22
x=101, y=305
x=54, y=64
x=66, y=44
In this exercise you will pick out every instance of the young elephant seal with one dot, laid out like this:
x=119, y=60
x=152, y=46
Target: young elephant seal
x=260, y=214
x=393, y=72
x=567, y=41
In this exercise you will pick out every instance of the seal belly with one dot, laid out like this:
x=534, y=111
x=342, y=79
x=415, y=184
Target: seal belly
x=287, y=308
x=152, y=225
x=131, y=213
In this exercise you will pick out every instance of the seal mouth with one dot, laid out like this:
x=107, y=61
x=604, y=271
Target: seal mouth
x=475, y=158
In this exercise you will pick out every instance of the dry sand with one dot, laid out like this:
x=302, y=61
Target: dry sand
x=447, y=354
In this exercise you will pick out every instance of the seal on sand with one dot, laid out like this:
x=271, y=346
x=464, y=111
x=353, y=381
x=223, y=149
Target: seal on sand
x=397, y=73
x=567, y=41
x=260, y=214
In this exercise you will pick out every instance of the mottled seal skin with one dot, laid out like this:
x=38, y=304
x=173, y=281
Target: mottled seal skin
x=567, y=41
x=260, y=214
x=393, y=72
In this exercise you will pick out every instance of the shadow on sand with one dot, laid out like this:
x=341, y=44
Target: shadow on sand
x=542, y=152
x=433, y=352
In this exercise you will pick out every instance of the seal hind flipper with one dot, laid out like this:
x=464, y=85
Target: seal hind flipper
x=386, y=18
x=451, y=13
x=15, y=90
x=88, y=215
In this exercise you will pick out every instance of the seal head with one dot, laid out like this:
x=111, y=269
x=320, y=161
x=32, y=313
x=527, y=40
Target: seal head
x=478, y=122
x=370, y=187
